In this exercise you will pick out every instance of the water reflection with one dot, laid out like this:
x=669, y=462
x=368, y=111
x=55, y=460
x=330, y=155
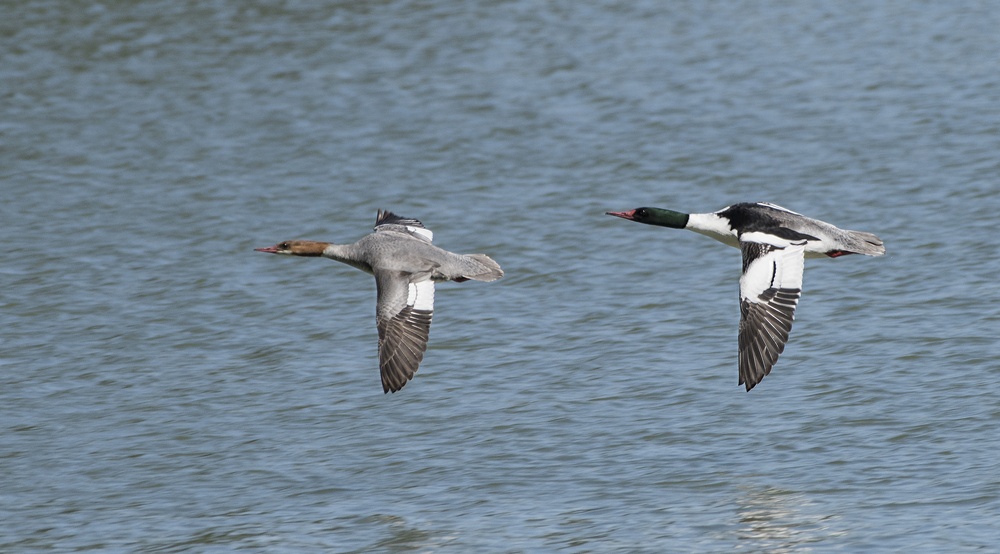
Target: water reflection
x=778, y=520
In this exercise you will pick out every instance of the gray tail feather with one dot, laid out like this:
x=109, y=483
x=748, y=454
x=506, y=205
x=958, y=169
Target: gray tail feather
x=866, y=243
x=488, y=270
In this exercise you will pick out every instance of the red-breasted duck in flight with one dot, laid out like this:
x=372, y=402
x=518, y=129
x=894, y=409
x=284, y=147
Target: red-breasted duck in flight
x=405, y=265
x=774, y=242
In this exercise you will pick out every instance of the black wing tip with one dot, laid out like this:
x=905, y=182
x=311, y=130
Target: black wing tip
x=396, y=384
x=396, y=375
x=749, y=379
x=385, y=217
x=386, y=389
x=756, y=365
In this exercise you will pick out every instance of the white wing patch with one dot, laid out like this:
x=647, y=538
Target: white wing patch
x=781, y=268
x=420, y=296
x=388, y=221
x=426, y=233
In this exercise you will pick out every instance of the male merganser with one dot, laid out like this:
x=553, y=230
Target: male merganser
x=774, y=242
x=405, y=265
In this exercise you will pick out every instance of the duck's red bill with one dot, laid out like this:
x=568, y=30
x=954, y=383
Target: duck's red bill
x=630, y=214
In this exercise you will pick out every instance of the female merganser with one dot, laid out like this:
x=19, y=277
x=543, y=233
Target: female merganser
x=774, y=242
x=405, y=265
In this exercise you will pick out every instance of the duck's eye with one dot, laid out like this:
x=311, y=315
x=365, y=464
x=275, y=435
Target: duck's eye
x=285, y=246
x=640, y=213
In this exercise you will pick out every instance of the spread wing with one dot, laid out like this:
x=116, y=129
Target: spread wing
x=403, y=317
x=769, y=291
x=388, y=221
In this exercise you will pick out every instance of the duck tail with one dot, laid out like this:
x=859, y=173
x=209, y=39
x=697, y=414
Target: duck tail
x=866, y=243
x=483, y=268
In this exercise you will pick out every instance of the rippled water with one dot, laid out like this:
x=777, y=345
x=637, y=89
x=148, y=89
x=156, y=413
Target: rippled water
x=164, y=388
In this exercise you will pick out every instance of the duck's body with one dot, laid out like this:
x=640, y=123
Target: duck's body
x=405, y=265
x=774, y=242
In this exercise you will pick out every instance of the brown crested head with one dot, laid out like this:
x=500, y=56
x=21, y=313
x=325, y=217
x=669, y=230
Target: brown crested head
x=296, y=248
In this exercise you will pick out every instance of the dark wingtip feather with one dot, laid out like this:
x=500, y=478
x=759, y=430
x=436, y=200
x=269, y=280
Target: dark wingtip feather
x=385, y=217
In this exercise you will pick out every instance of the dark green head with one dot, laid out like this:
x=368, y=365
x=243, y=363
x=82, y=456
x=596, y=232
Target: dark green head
x=655, y=216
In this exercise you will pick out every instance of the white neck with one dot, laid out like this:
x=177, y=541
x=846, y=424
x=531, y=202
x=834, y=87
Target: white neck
x=712, y=225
